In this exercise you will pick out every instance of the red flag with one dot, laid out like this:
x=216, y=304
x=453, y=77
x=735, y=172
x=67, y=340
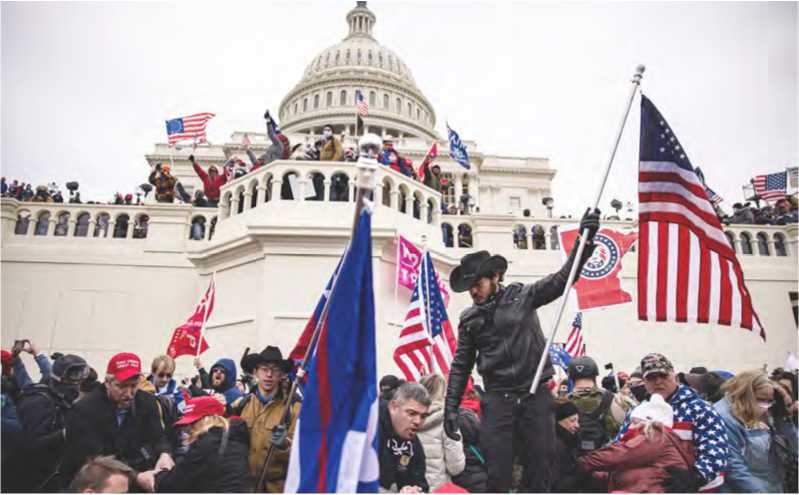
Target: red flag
x=431, y=154
x=599, y=283
x=188, y=336
x=408, y=260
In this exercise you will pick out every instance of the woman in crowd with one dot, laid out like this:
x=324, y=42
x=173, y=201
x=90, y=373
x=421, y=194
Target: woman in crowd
x=445, y=457
x=217, y=458
x=643, y=459
x=753, y=465
x=565, y=477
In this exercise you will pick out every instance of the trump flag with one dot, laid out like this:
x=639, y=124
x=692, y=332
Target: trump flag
x=335, y=442
x=599, y=283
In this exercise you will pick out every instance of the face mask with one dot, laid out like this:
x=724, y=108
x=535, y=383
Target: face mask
x=639, y=393
x=327, y=134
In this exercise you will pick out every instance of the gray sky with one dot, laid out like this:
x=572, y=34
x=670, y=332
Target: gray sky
x=86, y=86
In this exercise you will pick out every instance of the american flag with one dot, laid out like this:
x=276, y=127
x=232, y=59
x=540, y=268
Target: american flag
x=426, y=343
x=771, y=186
x=574, y=344
x=687, y=271
x=360, y=102
x=190, y=127
x=712, y=196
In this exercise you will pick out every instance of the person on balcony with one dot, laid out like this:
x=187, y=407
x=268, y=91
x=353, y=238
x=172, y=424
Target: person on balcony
x=332, y=150
x=212, y=181
x=393, y=160
x=164, y=183
x=278, y=150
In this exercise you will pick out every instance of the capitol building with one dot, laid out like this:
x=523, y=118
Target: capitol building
x=97, y=279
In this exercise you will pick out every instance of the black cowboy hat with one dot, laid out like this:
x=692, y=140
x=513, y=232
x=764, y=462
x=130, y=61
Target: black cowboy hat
x=473, y=266
x=270, y=354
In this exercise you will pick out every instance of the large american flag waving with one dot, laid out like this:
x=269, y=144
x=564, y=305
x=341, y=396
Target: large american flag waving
x=687, y=271
x=426, y=343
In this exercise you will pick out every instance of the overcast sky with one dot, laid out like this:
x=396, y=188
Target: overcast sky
x=86, y=86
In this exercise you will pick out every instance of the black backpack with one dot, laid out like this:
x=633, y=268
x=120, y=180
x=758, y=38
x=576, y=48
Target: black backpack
x=592, y=434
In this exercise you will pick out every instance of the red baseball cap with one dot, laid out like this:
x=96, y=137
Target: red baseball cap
x=124, y=366
x=7, y=360
x=200, y=407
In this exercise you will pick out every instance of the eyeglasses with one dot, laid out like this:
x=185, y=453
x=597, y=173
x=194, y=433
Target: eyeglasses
x=164, y=375
x=270, y=369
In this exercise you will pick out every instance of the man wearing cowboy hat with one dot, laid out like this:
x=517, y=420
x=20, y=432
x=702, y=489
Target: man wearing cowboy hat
x=502, y=334
x=263, y=409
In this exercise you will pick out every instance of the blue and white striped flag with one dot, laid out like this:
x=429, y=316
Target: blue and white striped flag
x=559, y=356
x=457, y=150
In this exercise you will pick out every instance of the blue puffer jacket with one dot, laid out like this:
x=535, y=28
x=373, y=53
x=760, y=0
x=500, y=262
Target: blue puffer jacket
x=228, y=388
x=753, y=465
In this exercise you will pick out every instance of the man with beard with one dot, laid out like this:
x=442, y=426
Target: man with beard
x=502, y=334
x=42, y=408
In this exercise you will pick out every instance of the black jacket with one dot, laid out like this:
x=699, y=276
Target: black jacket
x=504, y=336
x=205, y=470
x=402, y=462
x=92, y=430
x=474, y=476
x=565, y=476
x=43, y=416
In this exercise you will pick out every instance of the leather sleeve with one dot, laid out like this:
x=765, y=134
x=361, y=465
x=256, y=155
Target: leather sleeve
x=463, y=362
x=552, y=286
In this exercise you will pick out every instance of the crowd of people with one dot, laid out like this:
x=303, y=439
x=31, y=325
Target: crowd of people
x=784, y=211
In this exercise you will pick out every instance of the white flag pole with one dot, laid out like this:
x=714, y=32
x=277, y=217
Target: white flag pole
x=205, y=315
x=636, y=82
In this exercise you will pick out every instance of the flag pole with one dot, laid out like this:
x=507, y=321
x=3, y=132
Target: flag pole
x=396, y=276
x=205, y=315
x=367, y=165
x=636, y=83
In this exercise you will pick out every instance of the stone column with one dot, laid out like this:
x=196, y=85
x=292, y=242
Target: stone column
x=276, y=183
x=71, y=227
x=458, y=189
x=51, y=225
x=379, y=195
x=261, y=192
x=423, y=210
x=474, y=191
x=409, y=204
x=351, y=185
x=247, y=200
x=394, y=199
x=234, y=205
x=326, y=192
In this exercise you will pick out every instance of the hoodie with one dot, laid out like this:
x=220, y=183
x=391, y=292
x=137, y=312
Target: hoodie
x=228, y=388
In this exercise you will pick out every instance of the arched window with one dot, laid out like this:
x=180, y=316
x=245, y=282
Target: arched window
x=197, y=231
x=305, y=104
x=410, y=110
x=446, y=233
x=554, y=242
x=731, y=239
x=431, y=205
x=372, y=99
x=253, y=194
x=464, y=235
x=369, y=56
x=339, y=187
x=286, y=188
x=399, y=105
x=762, y=244
x=417, y=205
x=226, y=204
x=316, y=183
x=538, y=236
x=746, y=243
x=418, y=113
x=342, y=98
x=240, y=207
x=386, y=192
x=23, y=222
x=42, y=223
x=101, y=225
x=82, y=225
x=403, y=199
x=296, y=107
x=520, y=237
x=316, y=101
x=385, y=101
x=121, y=226
x=268, y=195
x=213, y=228
x=329, y=99
x=62, y=225
x=140, y=226
x=779, y=245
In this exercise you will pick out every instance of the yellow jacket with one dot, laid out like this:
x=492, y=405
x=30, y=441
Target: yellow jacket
x=331, y=151
x=261, y=420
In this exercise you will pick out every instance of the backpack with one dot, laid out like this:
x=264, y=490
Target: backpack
x=592, y=434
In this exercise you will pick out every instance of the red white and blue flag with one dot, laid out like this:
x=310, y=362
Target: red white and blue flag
x=575, y=346
x=187, y=339
x=189, y=127
x=771, y=186
x=361, y=104
x=712, y=196
x=335, y=442
x=427, y=342
x=687, y=271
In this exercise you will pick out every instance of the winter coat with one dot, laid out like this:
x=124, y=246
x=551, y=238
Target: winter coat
x=753, y=465
x=701, y=427
x=164, y=186
x=210, y=186
x=205, y=470
x=13, y=441
x=331, y=151
x=638, y=464
x=444, y=456
x=93, y=429
x=474, y=476
x=261, y=419
x=565, y=478
x=228, y=388
x=588, y=400
x=504, y=337
x=402, y=462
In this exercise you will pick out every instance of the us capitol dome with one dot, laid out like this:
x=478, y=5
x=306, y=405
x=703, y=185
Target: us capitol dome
x=326, y=92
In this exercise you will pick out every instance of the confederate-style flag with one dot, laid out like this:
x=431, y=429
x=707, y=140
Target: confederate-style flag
x=186, y=337
x=599, y=283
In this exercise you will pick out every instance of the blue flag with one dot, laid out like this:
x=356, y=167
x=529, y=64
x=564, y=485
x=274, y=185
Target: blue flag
x=335, y=442
x=457, y=150
x=559, y=356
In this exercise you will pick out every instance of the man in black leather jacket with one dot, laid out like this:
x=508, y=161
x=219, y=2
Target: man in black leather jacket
x=501, y=332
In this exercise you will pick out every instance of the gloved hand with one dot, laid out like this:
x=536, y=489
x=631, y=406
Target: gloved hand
x=191, y=158
x=266, y=115
x=451, y=425
x=280, y=437
x=683, y=480
x=590, y=221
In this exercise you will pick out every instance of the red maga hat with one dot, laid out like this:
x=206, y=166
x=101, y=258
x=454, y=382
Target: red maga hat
x=124, y=366
x=200, y=407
